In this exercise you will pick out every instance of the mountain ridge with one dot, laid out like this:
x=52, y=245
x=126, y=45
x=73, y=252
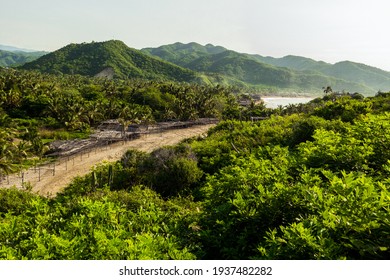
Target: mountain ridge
x=348, y=70
x=193, y=62
x=256, y=69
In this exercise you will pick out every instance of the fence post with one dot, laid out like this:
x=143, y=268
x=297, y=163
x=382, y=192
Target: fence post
x=54, y=169
x=39, y=174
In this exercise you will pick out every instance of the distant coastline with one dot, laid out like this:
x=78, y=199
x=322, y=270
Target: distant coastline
x=275, y=101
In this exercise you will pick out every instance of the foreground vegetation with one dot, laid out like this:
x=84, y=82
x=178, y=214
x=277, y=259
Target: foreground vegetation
x=309, y=182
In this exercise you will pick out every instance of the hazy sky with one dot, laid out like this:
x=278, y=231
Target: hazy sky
x=329, y=30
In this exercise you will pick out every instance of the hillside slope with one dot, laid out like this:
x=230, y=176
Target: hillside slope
x=252, y=70
x=372, y=77
x=90, y=59
x=183, y=54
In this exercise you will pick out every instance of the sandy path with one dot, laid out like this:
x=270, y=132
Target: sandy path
x=52, y=178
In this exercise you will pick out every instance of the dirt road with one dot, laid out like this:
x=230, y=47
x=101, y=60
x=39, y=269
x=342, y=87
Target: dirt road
x=52, y=178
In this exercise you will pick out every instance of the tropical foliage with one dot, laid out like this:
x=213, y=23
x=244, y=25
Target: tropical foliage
x=309, y=182
x=38, y=108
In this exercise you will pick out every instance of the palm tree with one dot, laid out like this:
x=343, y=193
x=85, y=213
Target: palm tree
x=8, y=154
x=327, y=90
x=128, y=116
x=94, y=113
x=112, y=109
x=146, y=117
x=169, y=114
x=279, y=110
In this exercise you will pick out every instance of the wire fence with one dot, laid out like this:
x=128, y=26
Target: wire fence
x=25, y=179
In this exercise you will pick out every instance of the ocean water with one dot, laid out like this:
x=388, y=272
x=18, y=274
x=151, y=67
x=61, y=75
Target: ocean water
x=274, y=102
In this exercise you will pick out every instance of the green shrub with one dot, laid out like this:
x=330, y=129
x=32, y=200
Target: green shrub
x=171, y=171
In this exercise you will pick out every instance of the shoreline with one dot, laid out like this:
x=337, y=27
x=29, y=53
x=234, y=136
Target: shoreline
x=275, y=101
x=289, y=96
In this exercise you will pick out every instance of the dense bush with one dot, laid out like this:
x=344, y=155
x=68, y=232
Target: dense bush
x=128, y=225
x=326, y=196
x=169, y=171
x=347, y=218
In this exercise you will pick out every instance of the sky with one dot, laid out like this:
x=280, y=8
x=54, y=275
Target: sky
x=328, y=30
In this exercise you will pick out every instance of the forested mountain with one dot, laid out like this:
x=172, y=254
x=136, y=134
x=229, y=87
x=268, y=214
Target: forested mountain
x=372, y=77
x=14, y=58
x=255, y=70
x=293, y=62
x=183, y=54
x=111, y=58
x=248, y=70
x=212, y=65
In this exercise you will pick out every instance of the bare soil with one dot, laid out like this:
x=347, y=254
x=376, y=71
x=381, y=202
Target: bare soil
x=50, y=179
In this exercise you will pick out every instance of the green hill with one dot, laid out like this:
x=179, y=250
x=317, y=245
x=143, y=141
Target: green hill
x=372, y=77
x=254, y=70
x=111, y=58
x=361, y=73
x=293, y=62
x=183, y=54
x=15, y=58
x=243, y=68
